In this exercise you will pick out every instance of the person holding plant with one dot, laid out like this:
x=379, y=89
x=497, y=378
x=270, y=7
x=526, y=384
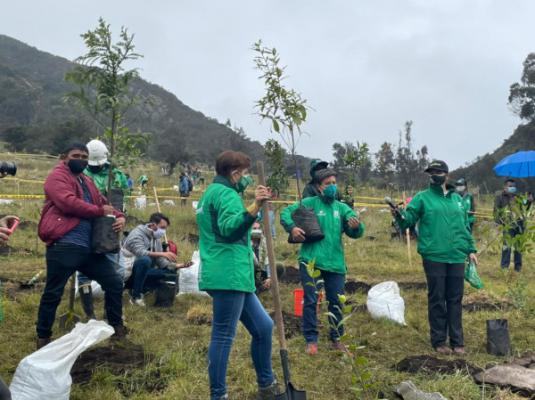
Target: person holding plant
x=444, y=242
x=227, y=273
x=324, y=259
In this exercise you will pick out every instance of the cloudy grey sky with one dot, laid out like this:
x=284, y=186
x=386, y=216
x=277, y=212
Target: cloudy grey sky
x=365, y=66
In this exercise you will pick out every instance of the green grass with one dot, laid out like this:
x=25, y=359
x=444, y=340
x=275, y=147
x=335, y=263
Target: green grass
x=180, y=347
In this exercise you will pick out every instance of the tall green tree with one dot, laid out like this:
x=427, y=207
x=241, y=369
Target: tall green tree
x=285, y=108
x=522, y=94
x=385, y=164
x=104, y=80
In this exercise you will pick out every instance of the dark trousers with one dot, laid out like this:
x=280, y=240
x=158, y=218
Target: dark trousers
x=445, y=289
x=229, y=307
x=62, y=260
x=333, y=284
x=506, y=251
x=5, y=394
x=145, y=277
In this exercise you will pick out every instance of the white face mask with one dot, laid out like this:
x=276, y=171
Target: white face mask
x=159, y=233
x=460, y=189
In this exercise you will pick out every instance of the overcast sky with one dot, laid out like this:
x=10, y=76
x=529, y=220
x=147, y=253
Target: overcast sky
x=364, y=66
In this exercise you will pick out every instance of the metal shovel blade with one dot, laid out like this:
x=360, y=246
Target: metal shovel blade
x=68, y=320
x=292, y=393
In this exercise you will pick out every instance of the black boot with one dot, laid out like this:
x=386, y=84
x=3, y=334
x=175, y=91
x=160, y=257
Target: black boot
x=86, y=297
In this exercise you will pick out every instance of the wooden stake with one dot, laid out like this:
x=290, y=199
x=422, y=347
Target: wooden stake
x=159, y=210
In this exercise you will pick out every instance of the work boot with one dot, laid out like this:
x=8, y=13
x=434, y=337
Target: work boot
x=460, y=351
x=120, y=333
x=443, y=350
x=42, y=342
x=268, y=393
x=86, y=297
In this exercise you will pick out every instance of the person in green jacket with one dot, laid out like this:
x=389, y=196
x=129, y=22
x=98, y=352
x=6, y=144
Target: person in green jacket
x=97, y=169
x=227, y=273
x=444, y=243
x=335, y=218
x=469, y=204
x=311, y=188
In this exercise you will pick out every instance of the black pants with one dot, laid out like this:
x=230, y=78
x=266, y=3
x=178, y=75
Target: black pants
x=4, y=391
x=445, y=289
x=62, y=260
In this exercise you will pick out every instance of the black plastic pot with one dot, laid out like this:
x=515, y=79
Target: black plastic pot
x=103, y=238
x=306, y=219
x=498, y=341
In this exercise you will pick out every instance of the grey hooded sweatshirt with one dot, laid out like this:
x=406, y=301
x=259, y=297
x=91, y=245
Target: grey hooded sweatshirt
x=140, y=241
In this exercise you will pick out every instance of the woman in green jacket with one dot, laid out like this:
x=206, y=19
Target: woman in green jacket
x=227, y=273
x=444, y=242
x=335, y=218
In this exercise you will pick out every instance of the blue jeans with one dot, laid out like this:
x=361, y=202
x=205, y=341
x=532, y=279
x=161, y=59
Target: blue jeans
x=146, y=278
x=333, y=284
x=229, y=307
x=506, y=252
x=117, y=261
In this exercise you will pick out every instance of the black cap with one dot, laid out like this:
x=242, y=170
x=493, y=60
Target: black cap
x=438, y=165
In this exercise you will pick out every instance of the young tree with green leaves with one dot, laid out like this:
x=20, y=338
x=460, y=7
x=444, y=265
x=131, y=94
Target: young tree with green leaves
x=283, y=107
x=104, y=91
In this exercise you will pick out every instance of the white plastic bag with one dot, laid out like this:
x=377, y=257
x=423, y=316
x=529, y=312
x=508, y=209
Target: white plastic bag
x=384, y=301
x=45, y=374
x=188, y=279
x=140, y=202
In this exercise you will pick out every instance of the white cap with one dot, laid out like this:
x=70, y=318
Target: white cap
x=98, y=153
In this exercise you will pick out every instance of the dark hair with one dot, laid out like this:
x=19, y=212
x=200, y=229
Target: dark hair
x=510, y=180
x=230, y=160
x=157, y=218
x=75, y=146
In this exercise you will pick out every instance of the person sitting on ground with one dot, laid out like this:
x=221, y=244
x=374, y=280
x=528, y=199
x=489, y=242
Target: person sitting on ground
x=152, y=264
x=72, y=202
x=445, y=244
x=335, y=218
x=261, y=262
x=469, y=204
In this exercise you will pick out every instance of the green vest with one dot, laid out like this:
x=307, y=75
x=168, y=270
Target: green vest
x=328, y=253
x=225, y=239
x=443, y=234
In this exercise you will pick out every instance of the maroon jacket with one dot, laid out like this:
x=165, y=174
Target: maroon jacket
x=65, y=205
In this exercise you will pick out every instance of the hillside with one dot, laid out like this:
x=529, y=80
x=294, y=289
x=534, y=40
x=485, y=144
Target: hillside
x=480, y=172
x=35, y=117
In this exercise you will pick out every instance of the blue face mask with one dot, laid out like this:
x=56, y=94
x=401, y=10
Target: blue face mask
x=511, y=190
x=330, y=192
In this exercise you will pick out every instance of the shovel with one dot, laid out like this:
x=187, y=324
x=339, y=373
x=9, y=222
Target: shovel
x=69, y=319
x=290, y=393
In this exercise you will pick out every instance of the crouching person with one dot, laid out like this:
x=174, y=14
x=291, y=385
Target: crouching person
x=72, y=202
x=151, y=264
x=335, y=218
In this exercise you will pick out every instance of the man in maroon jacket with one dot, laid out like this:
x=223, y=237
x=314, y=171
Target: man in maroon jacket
x=72, y=202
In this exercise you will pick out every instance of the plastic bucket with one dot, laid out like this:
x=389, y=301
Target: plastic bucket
x=298, y=302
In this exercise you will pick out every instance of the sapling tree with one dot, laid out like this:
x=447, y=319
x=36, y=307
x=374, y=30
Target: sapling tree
x=278, y=179
x=283, y=107
x=104, y=87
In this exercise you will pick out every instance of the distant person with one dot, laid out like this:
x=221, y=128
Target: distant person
x=98, y=170
x=348, y=197
x=335, y=219
x=469, y=203
x=507, y=214
x=312, y=187
x=151, y=264
x=143, y=181
x=444, y=243
x=72, y=201
x=227, y=273
x=185, y=186
x=130, y=183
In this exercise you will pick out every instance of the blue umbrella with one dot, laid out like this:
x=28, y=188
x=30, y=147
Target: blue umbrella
x=517, y=165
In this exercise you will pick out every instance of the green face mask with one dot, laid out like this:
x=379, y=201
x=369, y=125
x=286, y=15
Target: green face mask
x=243, y=183
x=330, y=192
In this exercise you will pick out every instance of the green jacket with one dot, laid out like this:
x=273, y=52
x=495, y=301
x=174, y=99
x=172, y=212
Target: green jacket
x=443, y=234
x=333, y=216
x=119, y=180
x=470, y=206
x=227, y=261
